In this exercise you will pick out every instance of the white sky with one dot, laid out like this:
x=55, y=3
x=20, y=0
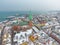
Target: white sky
x=24, y=5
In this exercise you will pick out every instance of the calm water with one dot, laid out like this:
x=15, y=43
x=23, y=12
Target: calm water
x=3, y=15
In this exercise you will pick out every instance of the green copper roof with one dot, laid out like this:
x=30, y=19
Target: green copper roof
x=30, y=16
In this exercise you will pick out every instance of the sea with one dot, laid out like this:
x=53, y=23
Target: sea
x=5, y=14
